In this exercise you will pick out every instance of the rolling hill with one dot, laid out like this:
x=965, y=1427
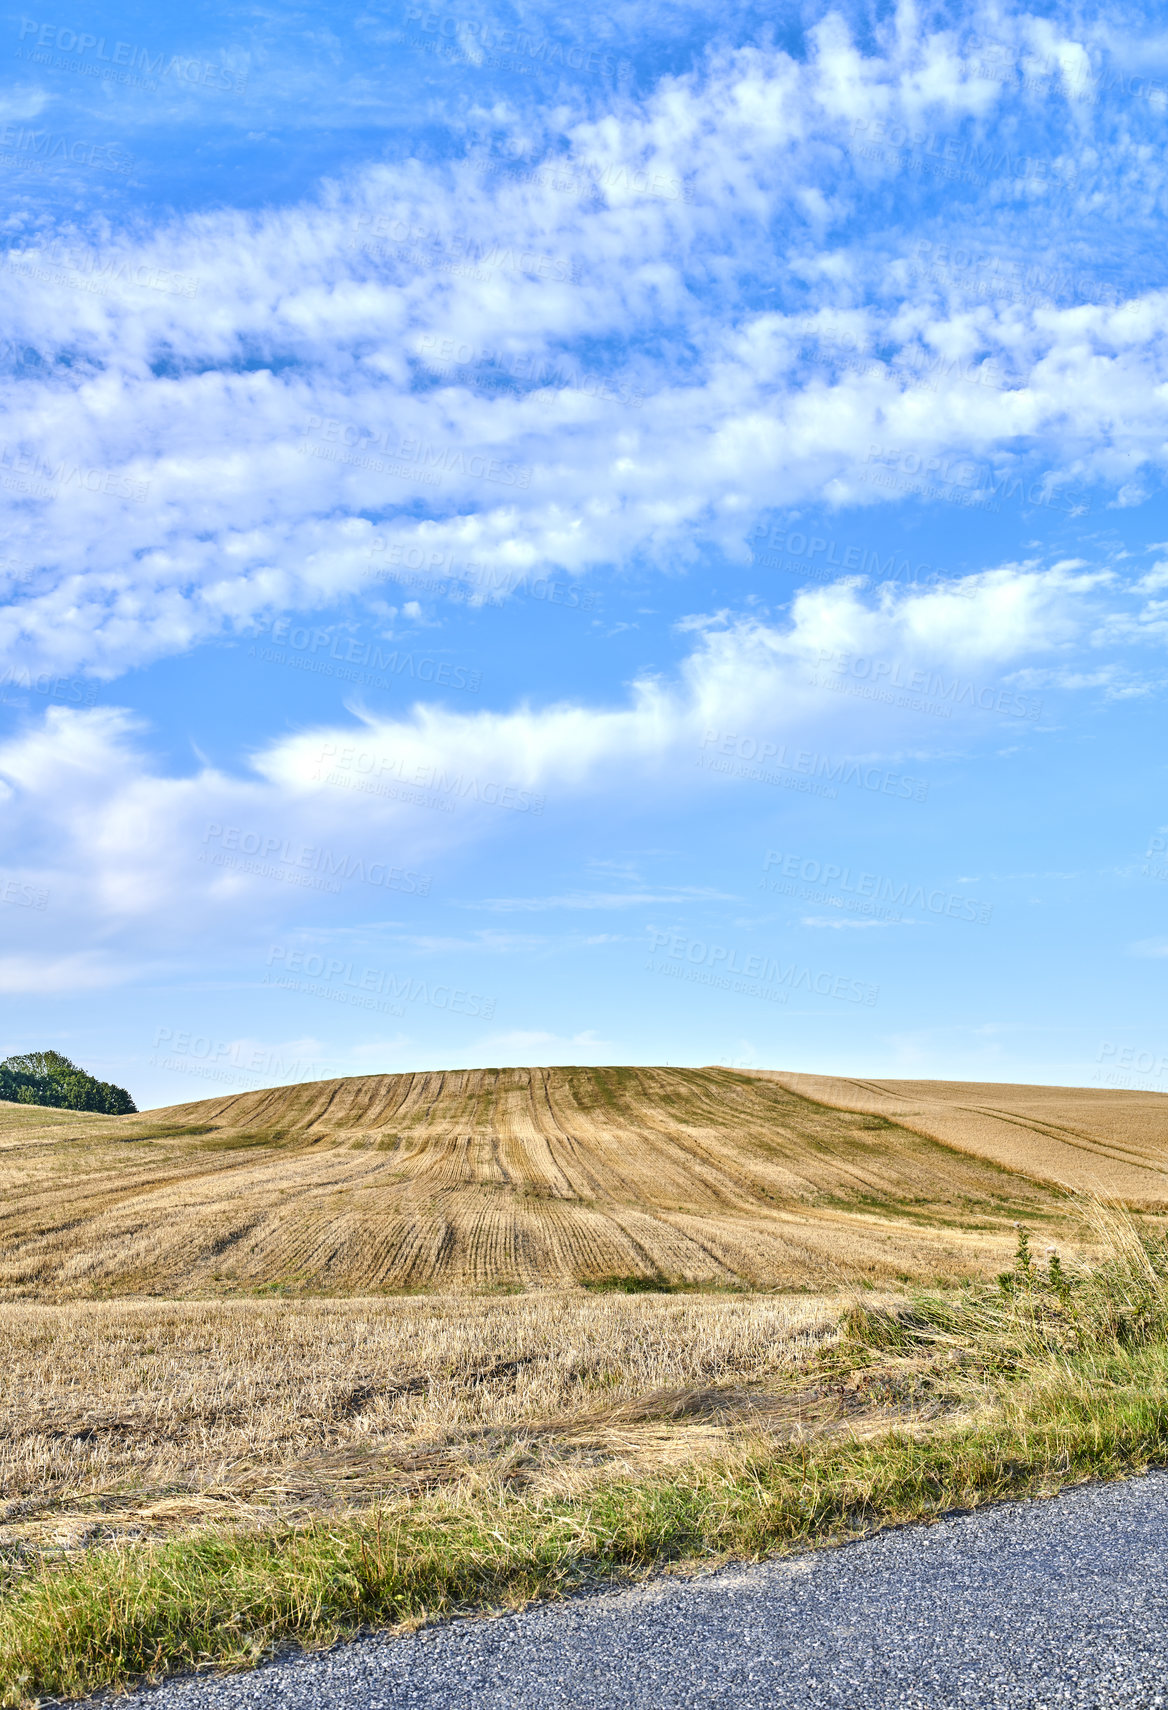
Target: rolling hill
x=498, y=1178
x=1110, y=1144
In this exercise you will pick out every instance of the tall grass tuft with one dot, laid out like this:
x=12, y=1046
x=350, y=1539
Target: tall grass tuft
x=1038, y=1309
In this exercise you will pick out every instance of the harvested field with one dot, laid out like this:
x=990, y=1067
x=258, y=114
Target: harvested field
x=500, y=1178
x=131, y=1419
x=1113, y=1145
x=199, y=1484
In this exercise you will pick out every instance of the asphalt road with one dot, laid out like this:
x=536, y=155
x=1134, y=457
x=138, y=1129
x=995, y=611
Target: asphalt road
x=1056, y=1603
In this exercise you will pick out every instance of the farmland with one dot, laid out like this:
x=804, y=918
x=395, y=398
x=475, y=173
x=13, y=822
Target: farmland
x=521, y=1326
x=128, y=1420
x=498, y=1179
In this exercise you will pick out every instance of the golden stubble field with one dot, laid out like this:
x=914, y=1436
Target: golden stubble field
x=529, y=1178
x=127, y=1420
x=1110, y=1145
x=262, y=1308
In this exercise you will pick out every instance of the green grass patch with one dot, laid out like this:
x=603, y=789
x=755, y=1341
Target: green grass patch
x=239, y=1142
x=167, y=1131
x=136, y=1613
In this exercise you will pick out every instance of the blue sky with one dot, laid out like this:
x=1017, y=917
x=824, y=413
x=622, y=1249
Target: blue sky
x=533, y=536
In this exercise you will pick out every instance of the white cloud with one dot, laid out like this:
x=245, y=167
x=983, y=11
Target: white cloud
x=518, y=1048
x=598, y=899
x=186, y=487
x=360, y=808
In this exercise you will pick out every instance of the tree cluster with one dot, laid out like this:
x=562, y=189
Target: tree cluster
x=46, y=1077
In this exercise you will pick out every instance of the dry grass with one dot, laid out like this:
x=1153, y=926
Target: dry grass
x=133, y=1418
x=254, y=1454
x=1109, y=1145
x=1057, y=1376
x=481, y=1178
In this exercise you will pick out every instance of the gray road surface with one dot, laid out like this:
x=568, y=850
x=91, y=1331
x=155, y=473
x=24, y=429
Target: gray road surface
x=1056, y=1603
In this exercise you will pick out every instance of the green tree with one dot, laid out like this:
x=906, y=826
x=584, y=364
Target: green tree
x=49, y=1078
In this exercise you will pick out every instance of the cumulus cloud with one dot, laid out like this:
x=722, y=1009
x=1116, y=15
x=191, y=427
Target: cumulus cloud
x=364, y=809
